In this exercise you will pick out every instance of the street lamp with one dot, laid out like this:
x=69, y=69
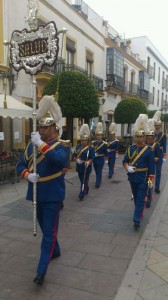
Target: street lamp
x=6, y=43
x=63, y=31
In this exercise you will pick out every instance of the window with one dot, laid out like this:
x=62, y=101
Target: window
x=144, y=81
x=158, y=99
x=115, y=63
x=162, y=101
x=153, y=95
x=154, y=71
x=70, y=52
x=159, y=75
x=115, y=68
x=148, y=64
x=89, y=63
x=110, y=118
x=163, y=80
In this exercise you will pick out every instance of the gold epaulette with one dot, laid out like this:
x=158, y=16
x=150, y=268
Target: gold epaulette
x=65, y=143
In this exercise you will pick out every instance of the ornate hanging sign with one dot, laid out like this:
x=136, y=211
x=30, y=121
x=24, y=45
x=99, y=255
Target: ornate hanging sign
x=31, y=50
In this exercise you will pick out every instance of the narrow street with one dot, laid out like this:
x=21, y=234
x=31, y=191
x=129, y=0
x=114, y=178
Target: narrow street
x=96, y=236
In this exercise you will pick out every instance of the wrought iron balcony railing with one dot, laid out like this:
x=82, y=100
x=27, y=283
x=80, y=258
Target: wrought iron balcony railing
x=60, y=66
x=131, y=88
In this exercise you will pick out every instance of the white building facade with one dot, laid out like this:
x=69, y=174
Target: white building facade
x=89, y=44
x=157, y=68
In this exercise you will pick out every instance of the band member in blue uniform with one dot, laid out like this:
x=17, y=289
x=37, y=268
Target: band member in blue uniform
x=139, y=164
x=100, y=148
x=160, y=137
x=84, y=156
x=154, y=146
x=112, y=149
x=49, y=177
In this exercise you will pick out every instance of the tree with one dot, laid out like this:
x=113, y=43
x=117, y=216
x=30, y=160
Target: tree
x=77, y=94
x=128, y=110
x=77, y=97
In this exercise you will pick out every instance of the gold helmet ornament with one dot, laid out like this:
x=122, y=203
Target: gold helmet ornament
x=84, y=132
x=140, y=126
x=49, y=111
x=99, y=128
x=157, y=118
x=150, y=127
x=112, y=128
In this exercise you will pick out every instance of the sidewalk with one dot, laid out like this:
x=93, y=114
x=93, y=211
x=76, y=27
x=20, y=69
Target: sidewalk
x=147, y=275
x=102, y=257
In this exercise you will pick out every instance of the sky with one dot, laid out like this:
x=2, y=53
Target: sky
x=132, y=18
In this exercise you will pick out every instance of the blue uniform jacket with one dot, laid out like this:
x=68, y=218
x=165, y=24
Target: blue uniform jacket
x=145, y=161
x=112, y=147
x=85, y=154
x=162, y=140
x=100, y=149
x=156, y=150
x=49, y=165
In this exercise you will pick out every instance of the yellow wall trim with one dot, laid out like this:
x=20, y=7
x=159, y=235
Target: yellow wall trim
x=43, y=77
x=4, y=69
x=1, y=34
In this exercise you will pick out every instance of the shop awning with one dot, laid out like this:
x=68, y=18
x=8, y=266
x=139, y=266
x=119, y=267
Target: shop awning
x=15, y=109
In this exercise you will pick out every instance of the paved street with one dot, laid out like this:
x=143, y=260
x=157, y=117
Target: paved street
x=99, y=248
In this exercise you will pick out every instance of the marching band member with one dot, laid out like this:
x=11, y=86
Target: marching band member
x=100, y=148
x=84, y=156
x=154, y=146
x=160, y=137
x=112, y=149
x=139, y=164
x=51, y=163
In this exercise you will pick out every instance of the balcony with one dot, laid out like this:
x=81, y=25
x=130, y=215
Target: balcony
x=72, y=67
x=131, y=88
x=60, y=66
x=148, y=97
x=81, y=7
x=98, y=83
x=150, y=71
x=114, y=81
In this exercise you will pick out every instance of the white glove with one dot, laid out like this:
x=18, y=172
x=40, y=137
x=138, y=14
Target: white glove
x=151, y=185
x=96, y=154
x=78, y=161
x=87, y=164
x=131, y=169
x=106, y=161
x=108, y=150
x=33, y=177
x=36, y=139
x=164, y=159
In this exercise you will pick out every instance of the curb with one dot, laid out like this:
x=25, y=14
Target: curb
x=132, y=279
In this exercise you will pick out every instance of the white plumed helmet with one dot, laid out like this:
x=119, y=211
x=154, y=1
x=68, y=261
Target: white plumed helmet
x=150, y=127
x=84, y=132
x=140, y=126
x=112, y=128
x=99, y=128
x=157, y=117
x=49, y=111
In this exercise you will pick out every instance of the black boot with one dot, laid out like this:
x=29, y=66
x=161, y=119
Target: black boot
x=56, y=255
x=157, y=190
x=39, y=279
x=136, y=226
